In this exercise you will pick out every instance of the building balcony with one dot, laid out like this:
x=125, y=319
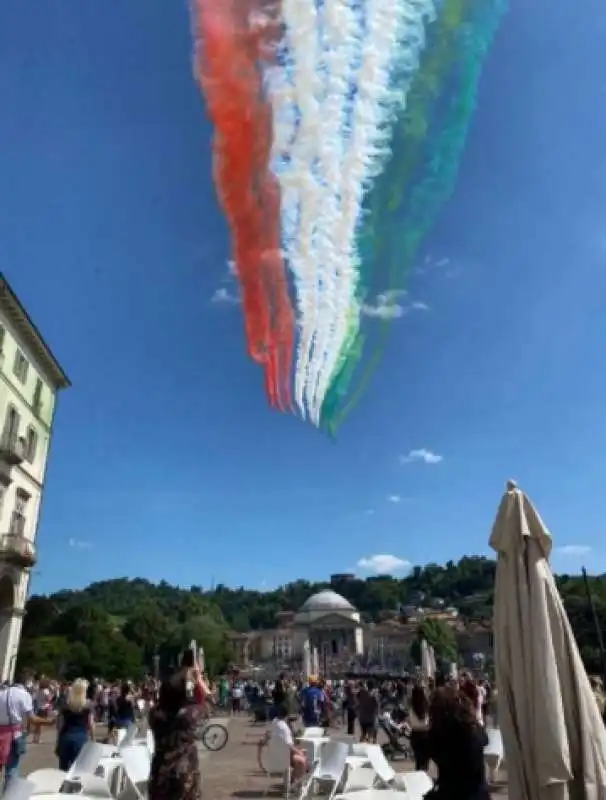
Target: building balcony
x=12, y=450
x=17, y=550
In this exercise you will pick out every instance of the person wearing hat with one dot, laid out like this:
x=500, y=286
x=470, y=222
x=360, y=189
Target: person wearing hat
x=312, y=703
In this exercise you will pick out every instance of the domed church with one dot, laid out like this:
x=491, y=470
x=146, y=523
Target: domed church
x=326, y=622
x=330, y=623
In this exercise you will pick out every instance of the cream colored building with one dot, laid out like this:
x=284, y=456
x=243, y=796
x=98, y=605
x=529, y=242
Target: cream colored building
x=326, y=620
x=30, y=378
x=333, y=626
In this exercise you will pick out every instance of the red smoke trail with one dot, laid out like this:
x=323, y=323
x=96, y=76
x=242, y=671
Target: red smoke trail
x=232, y=38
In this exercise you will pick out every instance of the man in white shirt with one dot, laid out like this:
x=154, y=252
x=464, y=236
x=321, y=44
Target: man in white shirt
x=237, y=693
x=480, y=703
x=16, y=708
x=281, y=732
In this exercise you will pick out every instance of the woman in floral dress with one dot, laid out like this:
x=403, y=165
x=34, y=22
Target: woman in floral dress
x=175, y=772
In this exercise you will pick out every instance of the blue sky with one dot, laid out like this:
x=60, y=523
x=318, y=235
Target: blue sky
x=166, y=461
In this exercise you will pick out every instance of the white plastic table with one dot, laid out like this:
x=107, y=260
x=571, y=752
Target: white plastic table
x=355, y=762
x=375, y=794
x=312, y=746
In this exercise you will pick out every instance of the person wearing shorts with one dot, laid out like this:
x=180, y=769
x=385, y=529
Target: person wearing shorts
x=281, y=731
x=237, y=693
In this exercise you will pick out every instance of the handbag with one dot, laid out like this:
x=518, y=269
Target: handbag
x=7, y=735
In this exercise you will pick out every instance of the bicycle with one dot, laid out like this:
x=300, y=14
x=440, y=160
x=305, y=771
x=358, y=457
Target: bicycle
x=213, y=735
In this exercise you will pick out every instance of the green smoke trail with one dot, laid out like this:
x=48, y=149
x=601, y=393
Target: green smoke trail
x=421, y=175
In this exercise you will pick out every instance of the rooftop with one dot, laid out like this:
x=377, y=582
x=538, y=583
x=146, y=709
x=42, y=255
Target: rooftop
x=327, y=601
x=32, y=337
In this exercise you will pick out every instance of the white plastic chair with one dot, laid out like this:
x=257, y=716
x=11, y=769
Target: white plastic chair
x=88, y=759
x=358, y=779
x=46, y=781
x=312, y=733
x=313, y=748
x=276, y=761
x=127, y=736
x=18, y=789
x=86, y=784
x=359, y=749
x=493, y=753
x=332, y=765
x=374, y=794
x=112, y=771
x=137, y=765
x=51, y=781
x=416, y=784
x=108, y=750
x=379, y=763
x=346, y=738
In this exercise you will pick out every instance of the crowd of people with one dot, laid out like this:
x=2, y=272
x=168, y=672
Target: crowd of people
x=443, y=720
x=32, y=704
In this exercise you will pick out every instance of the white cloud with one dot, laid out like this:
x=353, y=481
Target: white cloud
x=574, y=550
x=224, y=297
x=394, y=498
x=379, y=311
x=422, y=455
x=390, y=305
x=383, y=564
x=431, y=263
x=78, y=544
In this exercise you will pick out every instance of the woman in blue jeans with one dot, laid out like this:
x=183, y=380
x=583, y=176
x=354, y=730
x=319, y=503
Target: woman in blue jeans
x=75, y=724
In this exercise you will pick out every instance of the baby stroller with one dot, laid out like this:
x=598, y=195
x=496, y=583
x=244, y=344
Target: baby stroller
x=398, y=741
x=260, y=709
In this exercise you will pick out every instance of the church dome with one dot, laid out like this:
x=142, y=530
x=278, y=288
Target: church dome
x=327, y=601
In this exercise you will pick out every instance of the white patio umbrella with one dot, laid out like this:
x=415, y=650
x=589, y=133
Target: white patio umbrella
x=428, y=660
x=553, y=735
x=307, y=659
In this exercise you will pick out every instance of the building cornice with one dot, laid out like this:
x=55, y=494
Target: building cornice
x=31, y=336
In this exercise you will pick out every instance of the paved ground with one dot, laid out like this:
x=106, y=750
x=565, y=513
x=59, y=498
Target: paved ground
x=231, y=773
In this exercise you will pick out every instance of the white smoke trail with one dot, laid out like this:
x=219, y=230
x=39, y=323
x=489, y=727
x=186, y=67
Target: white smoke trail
x=394, y=39
x=300, y=187
x=341, y=45
x=279, y=86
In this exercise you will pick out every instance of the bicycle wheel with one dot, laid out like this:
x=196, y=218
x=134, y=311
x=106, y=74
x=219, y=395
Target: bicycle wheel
x=214, y=737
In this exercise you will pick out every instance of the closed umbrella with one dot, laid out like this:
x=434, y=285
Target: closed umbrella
x=307, y=668
x=553, y=735
x=428, y=660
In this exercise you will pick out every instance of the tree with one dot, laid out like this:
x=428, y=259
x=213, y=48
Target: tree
x=48, y=655
x=210, y=636
x=148, y=628
x=111, y=624
x=438, y=635
x=42, y=612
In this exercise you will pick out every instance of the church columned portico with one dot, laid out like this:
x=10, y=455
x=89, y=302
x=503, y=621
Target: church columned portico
x=336, y=639
x=331, y=629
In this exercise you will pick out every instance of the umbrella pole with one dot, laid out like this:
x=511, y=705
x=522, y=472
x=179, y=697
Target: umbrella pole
x=596, y=623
